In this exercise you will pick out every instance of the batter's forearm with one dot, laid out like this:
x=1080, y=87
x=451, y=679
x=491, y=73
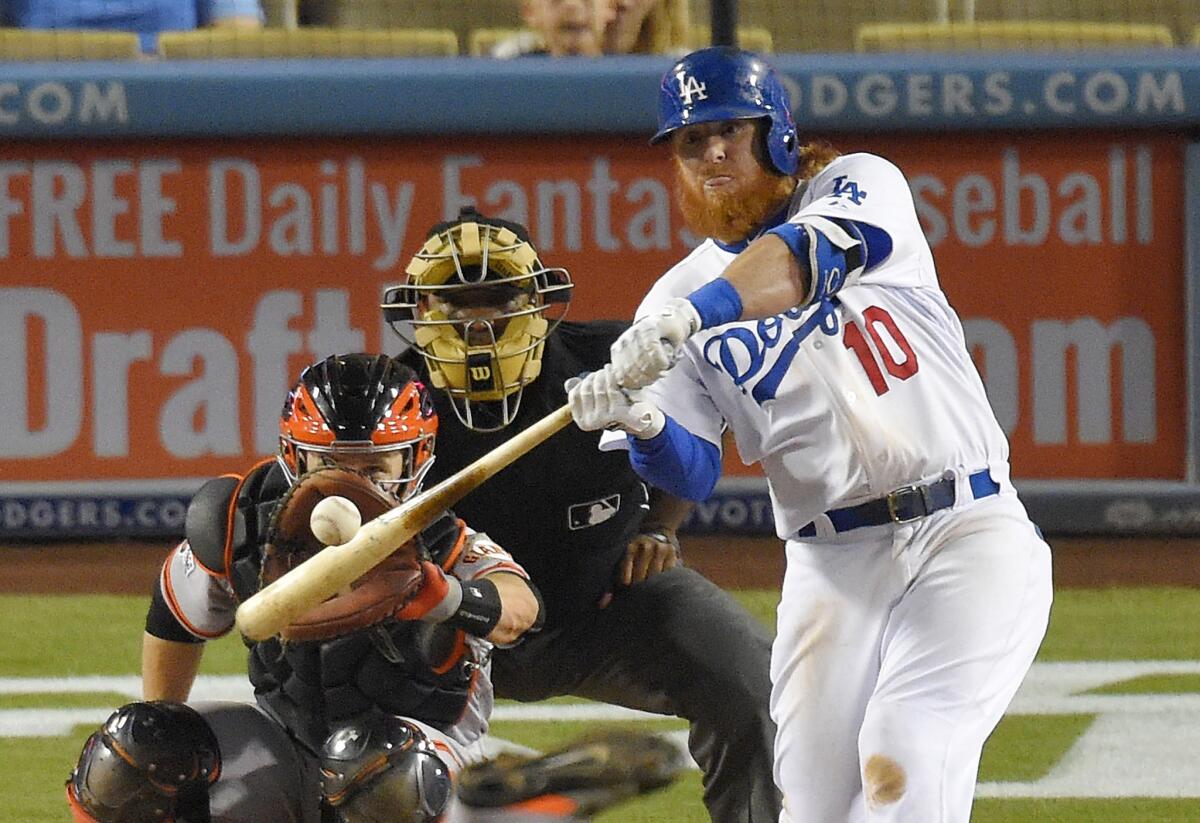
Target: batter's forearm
x=767, y=278
x=169, y=668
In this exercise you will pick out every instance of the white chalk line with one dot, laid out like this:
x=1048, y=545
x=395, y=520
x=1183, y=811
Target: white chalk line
x=1140, y=745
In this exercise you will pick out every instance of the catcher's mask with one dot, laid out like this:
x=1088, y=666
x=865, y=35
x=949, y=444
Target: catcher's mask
x=364, y=412
x=481, y=305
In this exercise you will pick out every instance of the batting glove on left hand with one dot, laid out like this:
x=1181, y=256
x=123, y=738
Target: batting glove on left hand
x=652, y=345
x=597, y=402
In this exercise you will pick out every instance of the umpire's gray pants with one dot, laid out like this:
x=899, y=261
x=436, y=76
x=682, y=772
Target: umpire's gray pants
x=265, y=776
x=672, y=644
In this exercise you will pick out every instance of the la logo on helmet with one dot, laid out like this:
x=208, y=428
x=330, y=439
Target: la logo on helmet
x=690, y=87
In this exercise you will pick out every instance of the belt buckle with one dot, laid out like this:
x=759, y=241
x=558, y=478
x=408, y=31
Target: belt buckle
x=896, y=495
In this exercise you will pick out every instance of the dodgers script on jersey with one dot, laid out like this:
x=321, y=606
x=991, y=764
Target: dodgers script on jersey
x=854, y=396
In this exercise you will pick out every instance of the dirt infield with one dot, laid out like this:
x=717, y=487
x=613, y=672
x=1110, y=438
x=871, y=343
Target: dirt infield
x=73, y=568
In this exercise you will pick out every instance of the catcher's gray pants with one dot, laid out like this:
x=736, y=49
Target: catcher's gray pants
x=265, y=775
x=672, y=644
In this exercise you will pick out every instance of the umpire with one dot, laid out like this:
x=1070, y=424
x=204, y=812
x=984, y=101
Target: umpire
x=626, y=622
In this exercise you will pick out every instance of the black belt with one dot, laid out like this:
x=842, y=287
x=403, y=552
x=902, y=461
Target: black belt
x=905, y=504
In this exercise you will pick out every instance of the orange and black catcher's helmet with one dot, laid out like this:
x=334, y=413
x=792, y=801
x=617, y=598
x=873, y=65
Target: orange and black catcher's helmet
x=355, y=405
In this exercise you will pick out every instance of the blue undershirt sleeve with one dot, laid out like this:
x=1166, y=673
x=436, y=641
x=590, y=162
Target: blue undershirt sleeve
x=677, y=461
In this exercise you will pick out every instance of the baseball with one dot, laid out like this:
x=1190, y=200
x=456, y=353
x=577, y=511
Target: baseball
x=334, y=521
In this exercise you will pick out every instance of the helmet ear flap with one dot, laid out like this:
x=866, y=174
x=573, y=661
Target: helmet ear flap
x=783, y=147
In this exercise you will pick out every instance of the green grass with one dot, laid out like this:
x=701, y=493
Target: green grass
x=1025, y=747
x=60, y=636
x=1124, y=624
x=678, y=803
x=545, y=735
x=1152, y=684
x=64, y=635
x=760, y=604
x=61, y=700
x=35, y=769
x=1068, y=810
x=1120, y=624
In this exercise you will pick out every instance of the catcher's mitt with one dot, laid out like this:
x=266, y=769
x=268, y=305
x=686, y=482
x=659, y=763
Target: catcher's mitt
x=290, y=541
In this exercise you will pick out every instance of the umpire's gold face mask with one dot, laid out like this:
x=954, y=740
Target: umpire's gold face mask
x=481, y=307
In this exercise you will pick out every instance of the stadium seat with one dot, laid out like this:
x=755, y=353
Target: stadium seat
x=1000, y=35
x=480, y=42
x=820, y=25
x=307, y=42
x=1179, y=15
x=751, y=38
x=281, y=14
x=68, y=44
x=461, y=16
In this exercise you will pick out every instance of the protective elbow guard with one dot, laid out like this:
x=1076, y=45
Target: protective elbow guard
x=834, y=253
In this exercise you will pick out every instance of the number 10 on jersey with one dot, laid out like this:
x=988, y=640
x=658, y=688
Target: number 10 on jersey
x=874, y=351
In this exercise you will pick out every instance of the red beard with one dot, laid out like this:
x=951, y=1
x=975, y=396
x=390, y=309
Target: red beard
x=730, y=216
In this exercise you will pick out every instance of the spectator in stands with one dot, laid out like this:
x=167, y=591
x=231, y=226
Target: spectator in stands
x=560, y=28
x=589, y=28
x=647, y=27
x=145, y=17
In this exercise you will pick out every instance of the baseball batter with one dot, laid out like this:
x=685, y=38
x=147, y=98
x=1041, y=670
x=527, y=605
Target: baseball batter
x=811, y=323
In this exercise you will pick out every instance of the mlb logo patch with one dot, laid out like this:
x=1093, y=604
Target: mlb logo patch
x=592, y=513
x=189, y=560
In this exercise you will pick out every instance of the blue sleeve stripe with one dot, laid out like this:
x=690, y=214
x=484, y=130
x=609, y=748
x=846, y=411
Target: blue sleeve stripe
x=877, y=241
x=717, y=303
x=677, y=461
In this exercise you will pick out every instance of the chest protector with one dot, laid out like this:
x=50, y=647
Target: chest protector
x=407, y=668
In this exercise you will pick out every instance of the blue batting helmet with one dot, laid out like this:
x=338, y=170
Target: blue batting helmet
x=723, y=83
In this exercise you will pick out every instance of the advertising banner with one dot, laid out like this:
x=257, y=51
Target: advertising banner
x=158, y=298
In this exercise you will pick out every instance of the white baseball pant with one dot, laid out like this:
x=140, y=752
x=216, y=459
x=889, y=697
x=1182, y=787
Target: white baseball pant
x=898, y=649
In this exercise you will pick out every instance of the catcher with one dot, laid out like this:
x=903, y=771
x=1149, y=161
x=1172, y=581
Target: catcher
x=369, y=704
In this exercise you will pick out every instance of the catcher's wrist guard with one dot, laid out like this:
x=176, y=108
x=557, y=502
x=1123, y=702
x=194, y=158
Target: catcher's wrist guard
x=473, y=606
x=478, y=610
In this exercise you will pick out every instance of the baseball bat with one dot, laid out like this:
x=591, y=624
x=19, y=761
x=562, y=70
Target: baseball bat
x=334, y=568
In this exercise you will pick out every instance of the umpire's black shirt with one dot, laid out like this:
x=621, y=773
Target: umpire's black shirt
x=565, y=510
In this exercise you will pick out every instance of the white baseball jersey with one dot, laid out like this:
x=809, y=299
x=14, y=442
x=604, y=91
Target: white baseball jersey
x=846, y=400
x=205, y=606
